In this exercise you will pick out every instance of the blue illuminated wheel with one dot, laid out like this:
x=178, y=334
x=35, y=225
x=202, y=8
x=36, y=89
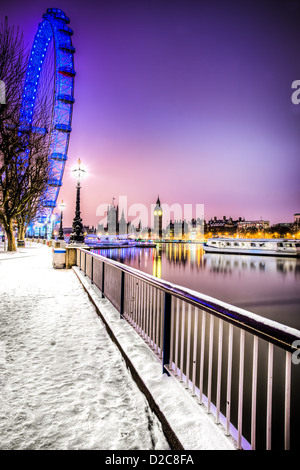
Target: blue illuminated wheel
x=50, y=80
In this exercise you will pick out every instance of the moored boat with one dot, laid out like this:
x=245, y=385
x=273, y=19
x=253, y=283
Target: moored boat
x=253, y=246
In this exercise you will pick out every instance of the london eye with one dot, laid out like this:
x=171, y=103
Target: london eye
x=50, y=80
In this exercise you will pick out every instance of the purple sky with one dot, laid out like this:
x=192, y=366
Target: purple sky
x=191, y=100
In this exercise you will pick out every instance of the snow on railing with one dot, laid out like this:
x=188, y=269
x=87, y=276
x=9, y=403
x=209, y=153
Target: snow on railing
x=238, y=364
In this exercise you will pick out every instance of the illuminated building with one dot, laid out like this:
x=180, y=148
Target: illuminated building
x=253, y=224
x=297, y=220
x=122, y=225
x=112, y=218
x=158, y=219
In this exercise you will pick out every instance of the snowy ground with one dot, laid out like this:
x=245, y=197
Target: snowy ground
x=63, y=383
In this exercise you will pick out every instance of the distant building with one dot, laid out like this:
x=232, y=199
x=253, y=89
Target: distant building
x=122, y=225
x=259, y=225
x=297, y=221
x=158, y=219
x=196, y=231
x=283, y=225
x=224, y=225
x=115, y=226
x=177, y=229
x=112, y=219
x=170, y=230
x=296, y=224
x=100, y=229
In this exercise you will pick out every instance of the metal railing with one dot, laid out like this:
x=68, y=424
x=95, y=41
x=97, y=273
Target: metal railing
x=237, y=364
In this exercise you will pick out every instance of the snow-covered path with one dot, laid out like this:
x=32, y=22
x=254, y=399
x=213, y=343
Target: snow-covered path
x=63, y=383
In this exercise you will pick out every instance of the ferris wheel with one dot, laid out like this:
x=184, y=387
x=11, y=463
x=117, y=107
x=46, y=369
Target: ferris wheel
x=50, y=80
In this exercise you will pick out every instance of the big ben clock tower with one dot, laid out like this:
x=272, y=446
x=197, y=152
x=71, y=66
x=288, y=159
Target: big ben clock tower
x=158, y=219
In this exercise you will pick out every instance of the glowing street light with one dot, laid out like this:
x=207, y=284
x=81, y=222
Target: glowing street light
x=62, y=207
x=77, y=235
x=79, y=172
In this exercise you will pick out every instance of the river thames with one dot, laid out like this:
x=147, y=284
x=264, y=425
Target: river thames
x=267, y=286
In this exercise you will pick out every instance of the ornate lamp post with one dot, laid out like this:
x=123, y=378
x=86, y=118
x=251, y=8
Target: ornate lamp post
x=77, y=235
x=62, y=207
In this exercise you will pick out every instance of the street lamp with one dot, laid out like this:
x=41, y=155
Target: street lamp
x=77, y=235
x=62, y=207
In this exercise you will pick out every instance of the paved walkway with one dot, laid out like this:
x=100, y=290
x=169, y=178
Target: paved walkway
x=63, y=382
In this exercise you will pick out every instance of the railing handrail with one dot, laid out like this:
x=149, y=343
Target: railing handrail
x=269, y=330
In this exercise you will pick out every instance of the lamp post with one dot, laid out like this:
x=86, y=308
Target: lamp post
x=62, y=207
x=77, y=235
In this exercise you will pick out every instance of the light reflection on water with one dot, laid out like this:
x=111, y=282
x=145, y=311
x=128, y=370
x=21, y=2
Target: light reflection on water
x=268, y=286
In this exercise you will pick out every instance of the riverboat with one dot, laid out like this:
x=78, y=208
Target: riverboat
x=253, y=246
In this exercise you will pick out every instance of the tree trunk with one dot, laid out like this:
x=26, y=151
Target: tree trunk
x=11, y=242
x=21, y=232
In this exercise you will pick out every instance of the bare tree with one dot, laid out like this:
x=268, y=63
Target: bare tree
x=13, y=65
x=24, y=165
x=36, y=179
x=33, y=211
x=24, y=182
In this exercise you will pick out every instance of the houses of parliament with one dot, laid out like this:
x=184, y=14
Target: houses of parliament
x=117, y=226
x=194, y=229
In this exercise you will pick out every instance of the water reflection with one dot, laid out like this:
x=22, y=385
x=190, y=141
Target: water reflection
x=230, y=263
x=268, y=286
x=157, y=261
x=196, y=258
x=193, y=256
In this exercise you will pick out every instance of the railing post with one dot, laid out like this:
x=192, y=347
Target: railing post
x=92, y=270
x=103, y=272
x=287, y=407
x=122, y=294
x=269, y=397
x=167, y=332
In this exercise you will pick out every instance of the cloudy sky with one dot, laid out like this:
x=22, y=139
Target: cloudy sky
x=190, y=100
